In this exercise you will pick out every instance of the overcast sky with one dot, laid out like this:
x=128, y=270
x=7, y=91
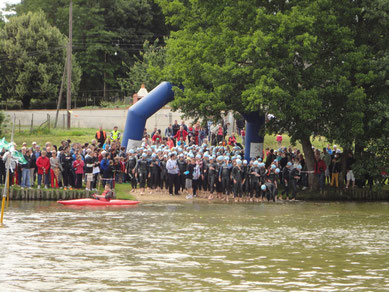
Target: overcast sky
x=3, y=2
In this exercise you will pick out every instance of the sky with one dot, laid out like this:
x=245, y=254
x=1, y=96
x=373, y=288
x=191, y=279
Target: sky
x=3, y=2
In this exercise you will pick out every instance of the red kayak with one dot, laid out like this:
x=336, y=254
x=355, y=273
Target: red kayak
x=94, y=202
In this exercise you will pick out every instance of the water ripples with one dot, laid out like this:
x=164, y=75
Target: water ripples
x=196, y=247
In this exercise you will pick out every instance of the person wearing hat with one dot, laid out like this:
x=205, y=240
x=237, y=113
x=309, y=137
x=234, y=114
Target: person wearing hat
x=131, y=164
x=254, y=180
x=295, y=176
x=286, y=178
x=225, y=176
x=163, y=180
x=212, y=172
x=173, y=173
x=142, y=171
x=237, y=177
x=182, y=166
x=115, y=134
x=155, y=171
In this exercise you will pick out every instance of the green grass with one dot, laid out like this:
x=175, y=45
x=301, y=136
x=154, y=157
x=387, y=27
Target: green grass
x=55, y=136
x=122, y=192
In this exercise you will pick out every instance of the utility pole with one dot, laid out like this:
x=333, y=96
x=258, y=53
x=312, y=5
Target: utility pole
x=60, y=93
x=69, y=69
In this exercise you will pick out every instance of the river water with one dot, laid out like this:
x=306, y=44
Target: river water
x=296, y=246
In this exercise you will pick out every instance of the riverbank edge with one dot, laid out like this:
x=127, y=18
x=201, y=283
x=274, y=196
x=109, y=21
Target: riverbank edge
x=328, y=194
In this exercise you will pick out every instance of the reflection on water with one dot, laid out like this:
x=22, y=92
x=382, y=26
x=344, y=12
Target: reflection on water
x=196, y=247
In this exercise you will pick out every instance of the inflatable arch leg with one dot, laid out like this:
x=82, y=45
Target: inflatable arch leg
x=254, y=138
x=163, y=94
x=141, y=111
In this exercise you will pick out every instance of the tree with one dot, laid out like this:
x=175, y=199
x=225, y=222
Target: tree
x=146, y=69
x=106, y=34
x=300, y=60
x=33, y=56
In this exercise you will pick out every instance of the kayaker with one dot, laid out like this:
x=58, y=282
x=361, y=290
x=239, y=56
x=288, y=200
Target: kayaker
x=107, y=195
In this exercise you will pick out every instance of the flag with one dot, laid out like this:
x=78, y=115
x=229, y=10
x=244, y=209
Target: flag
x=4, y=144
x=19, y=157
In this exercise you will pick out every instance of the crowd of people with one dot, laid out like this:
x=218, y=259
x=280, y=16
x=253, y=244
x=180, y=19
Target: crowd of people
x=183, y=161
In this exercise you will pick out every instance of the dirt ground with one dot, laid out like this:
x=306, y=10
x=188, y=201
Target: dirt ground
x=163, y=196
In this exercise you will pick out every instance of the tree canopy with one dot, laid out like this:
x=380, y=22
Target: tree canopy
x=106, y=35
x=320, y=67
x=146, y=69
x=32, y=59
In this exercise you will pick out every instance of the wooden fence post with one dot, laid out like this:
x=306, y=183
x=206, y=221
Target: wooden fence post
x=32, y=123
x=48, y=121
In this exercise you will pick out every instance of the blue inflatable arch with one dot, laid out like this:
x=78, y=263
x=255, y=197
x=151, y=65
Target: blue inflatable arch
x=163, y=94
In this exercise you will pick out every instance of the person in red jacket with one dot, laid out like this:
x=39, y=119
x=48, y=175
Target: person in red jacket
x=157, y=135
x=78, y=166
x=320, y=168
x=43, y=165
x=106, y=196
x=232, y=140
x=181, y=133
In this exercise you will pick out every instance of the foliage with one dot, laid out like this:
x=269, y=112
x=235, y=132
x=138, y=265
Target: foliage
x=32, y=60
x=319, y=66
x=374, y=160
x=106, y=34
x=146, y=69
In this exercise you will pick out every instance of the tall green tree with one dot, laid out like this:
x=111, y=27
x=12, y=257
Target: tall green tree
x=32, y=54
x=106, y=34
x=147, y=68
x=303, y=61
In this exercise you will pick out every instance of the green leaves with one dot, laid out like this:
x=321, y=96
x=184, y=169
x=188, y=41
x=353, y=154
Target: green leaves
x=106, y=35
x=32, y=59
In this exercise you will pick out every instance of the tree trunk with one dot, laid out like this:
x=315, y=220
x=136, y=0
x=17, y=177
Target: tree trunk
x=309, y=160
x=343, y=172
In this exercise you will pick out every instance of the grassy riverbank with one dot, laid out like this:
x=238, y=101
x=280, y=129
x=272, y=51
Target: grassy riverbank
x=55, y=136
x=122, y=191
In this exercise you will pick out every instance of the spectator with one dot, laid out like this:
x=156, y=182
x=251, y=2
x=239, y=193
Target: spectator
x=327, y=159
x=184, y=126
x=169, y=131
x=78, y=167
x=335, y=168
x=220, y=134
x=181, y=134
x=350, y=160
x=43, y=165
x=55, y=170
x=232, y=140
x=243, y=135
x=170, y=143
x=115, y=134
x=157, y=135
x=89, y=164
x=101, y=136
x=175, y=127
x=279, y=140
x=320, y=168
x=25, y=181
